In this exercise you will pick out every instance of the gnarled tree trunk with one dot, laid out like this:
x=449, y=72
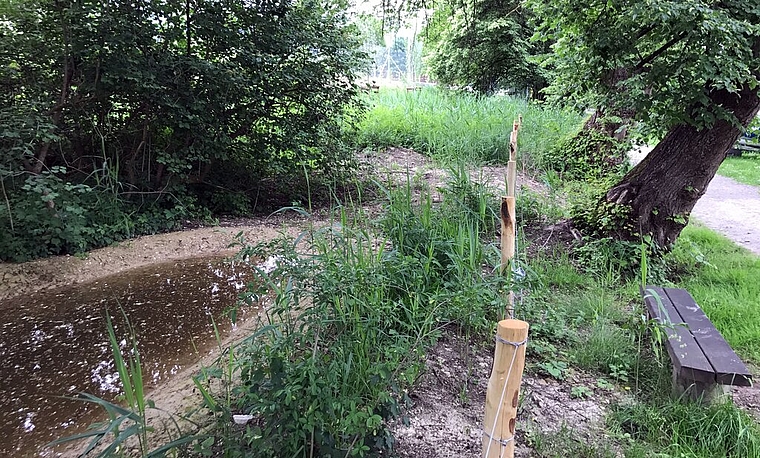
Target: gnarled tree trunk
x=662, y=190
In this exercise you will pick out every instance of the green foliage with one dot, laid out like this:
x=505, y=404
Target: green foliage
x=581, y=392
x=138, y=101
x=557, y=444
x=745, y=169
x=678, y=428
x=351, y=317
x=657, y=60
x=556, y=369
x=606, y=348
x=52, y=216
x=455, y=127
x=587, y=154
x=538, y=210
x=484, y=45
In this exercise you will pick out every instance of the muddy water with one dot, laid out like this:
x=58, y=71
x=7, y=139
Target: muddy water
x=55, y=344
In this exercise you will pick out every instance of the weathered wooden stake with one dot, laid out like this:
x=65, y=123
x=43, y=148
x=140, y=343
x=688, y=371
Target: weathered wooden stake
x=512, y=163
x=511, y=177
x=504, y=389
x=508, y=228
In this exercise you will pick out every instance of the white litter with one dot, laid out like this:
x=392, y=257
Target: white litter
x=242, y=419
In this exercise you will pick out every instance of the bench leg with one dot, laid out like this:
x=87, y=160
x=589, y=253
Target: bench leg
x=699, y=391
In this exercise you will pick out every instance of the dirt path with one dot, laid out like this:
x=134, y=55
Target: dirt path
x=732, y=209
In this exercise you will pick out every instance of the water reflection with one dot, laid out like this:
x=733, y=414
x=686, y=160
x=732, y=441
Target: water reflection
x=55, y=344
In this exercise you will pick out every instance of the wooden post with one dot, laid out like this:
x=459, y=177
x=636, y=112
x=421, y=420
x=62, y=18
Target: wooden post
x=511, y=177
x=508, y=228
x=512, y=163
x=504, y=389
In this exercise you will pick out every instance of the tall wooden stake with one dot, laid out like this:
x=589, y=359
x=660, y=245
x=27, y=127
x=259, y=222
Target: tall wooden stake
x=504, y=389
x=508, y=228
x=511, y=177
x=512, y=163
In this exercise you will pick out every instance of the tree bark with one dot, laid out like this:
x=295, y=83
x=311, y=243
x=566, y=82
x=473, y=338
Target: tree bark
x=662, y=190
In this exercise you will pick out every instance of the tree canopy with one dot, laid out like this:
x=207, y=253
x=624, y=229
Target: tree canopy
x=688, y=69
x=484, y=44
x=659, y=59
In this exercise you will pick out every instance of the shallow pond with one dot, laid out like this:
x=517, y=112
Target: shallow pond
x=54, y=344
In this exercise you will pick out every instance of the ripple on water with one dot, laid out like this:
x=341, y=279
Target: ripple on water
x=54, y=344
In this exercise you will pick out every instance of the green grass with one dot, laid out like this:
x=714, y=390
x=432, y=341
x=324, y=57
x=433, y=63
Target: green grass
x=674, y=428
x=727, y=288
x=745, y=169
x=453, y=126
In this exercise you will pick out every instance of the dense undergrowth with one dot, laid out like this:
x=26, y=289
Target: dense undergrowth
x=115, y=124
x=353, y=307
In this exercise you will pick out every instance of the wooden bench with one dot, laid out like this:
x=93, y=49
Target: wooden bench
x=749, y=144
x=703, y=362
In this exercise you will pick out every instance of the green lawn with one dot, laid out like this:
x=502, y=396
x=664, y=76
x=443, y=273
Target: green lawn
x=745, y=169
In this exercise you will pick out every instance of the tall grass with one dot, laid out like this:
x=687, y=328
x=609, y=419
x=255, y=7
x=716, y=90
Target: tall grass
x=454, y=126
x=580, y=320
x=355, y=306
x=687, y=429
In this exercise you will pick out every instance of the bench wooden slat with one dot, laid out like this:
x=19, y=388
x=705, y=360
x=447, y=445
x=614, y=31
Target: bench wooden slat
x=729, y=369
x=690, y=363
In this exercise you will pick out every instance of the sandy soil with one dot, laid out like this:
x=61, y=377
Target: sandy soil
x=446, y=418
x=17, y=279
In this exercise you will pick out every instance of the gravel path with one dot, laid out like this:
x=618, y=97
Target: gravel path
x=733, y=209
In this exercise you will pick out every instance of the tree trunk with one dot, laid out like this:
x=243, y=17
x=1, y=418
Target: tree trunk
x=662, y=190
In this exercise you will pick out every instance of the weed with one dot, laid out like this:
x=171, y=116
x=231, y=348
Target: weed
x=126, y=424
x=682, y=428
x=604, y=384
x=557, y=445
x=581, y=392
x=557, y=369
x=352, y=314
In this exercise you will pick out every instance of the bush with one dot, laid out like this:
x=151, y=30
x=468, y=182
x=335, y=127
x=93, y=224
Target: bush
x=587, y=154
x=51, y=216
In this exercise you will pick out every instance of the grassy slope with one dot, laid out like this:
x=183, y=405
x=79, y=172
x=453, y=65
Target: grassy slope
x=585, y=319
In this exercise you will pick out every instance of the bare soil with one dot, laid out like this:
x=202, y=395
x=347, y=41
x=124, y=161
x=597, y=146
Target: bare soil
x=446, y=418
